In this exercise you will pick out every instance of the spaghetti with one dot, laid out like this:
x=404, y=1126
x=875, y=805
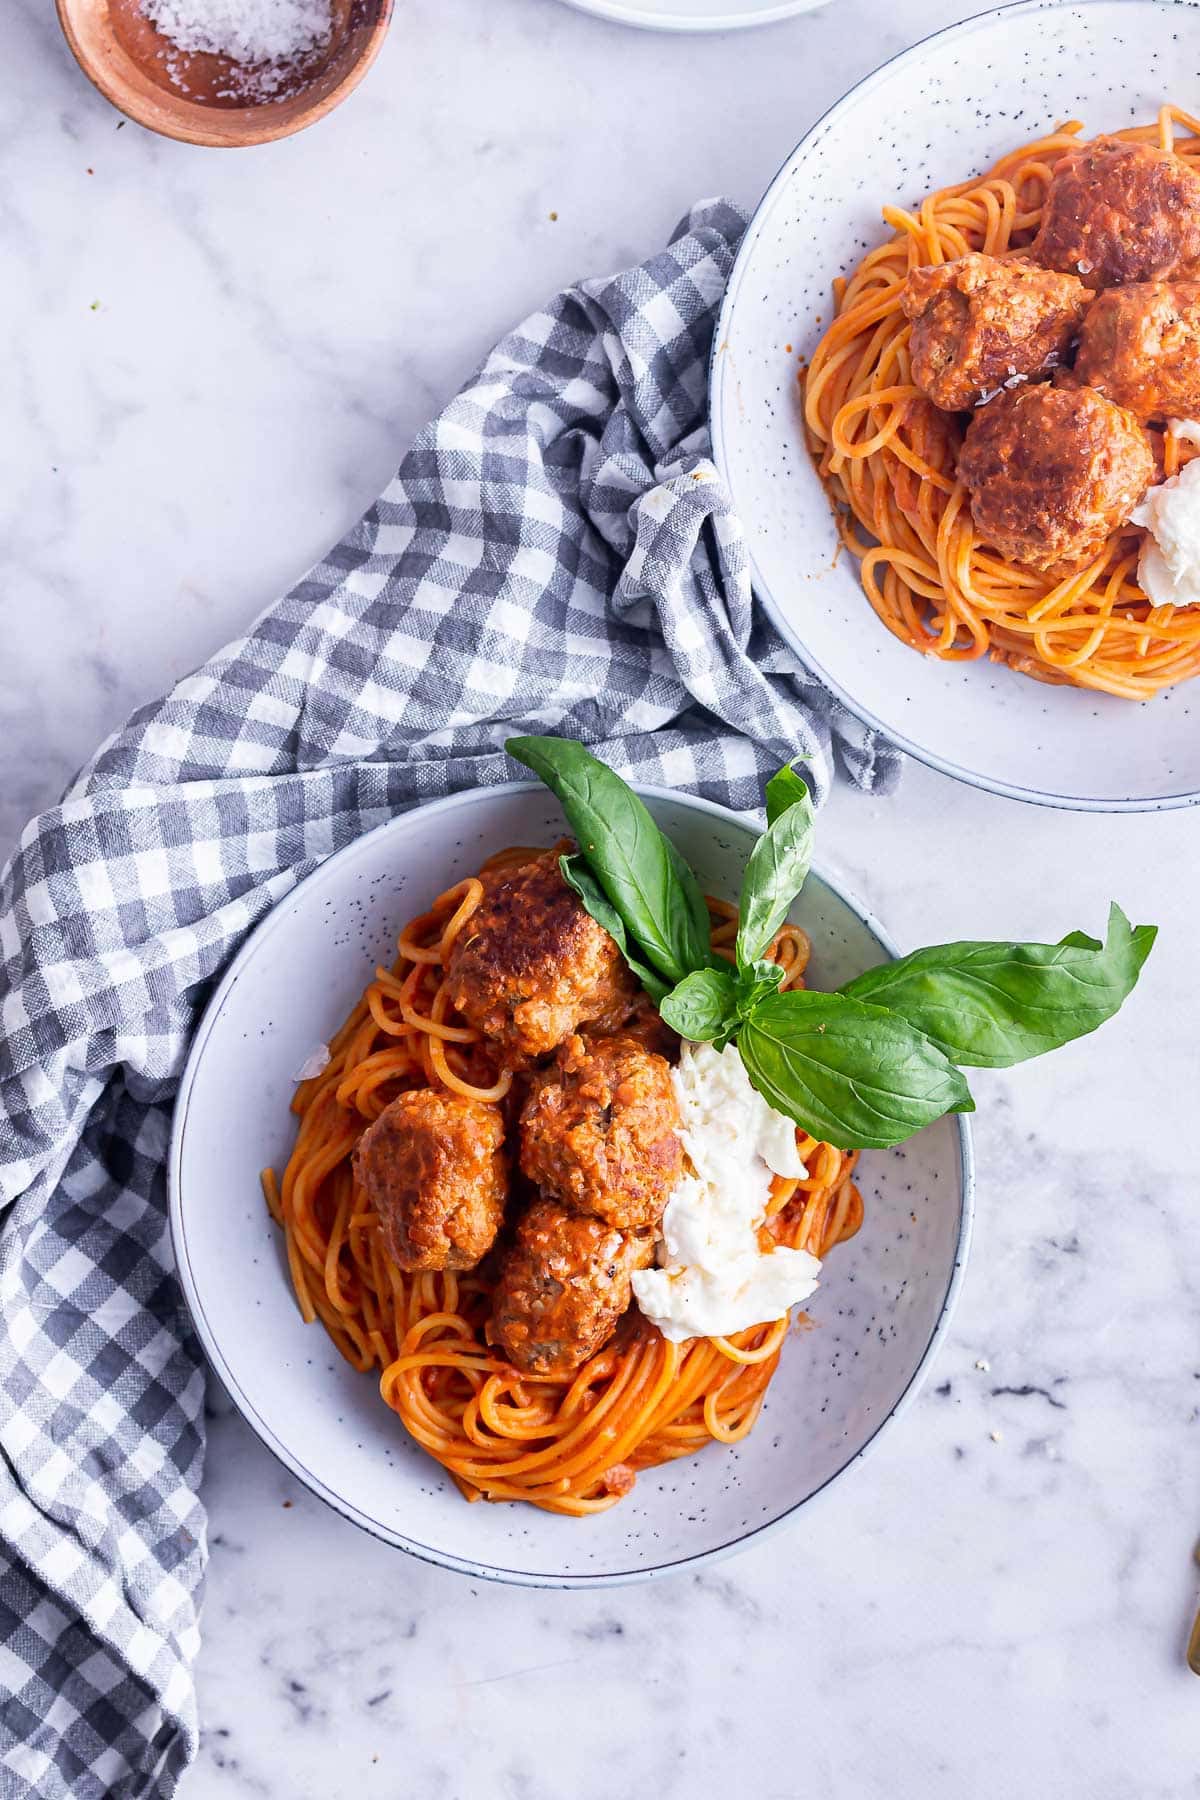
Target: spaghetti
x=888, y=458
x=567, y=1444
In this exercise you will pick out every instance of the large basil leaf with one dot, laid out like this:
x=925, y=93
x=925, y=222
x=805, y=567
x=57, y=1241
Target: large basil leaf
x=646, y=881
x=994, y=1004
x=777, y=867
x=703, y=1007
x=853, y=1075
x=578, y=876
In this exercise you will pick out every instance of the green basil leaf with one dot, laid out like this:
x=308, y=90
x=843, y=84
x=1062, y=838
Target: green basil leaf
x=777, y=867
x=703, y=1007
x=784, y=789
x=852, y=1075
x=578, y=876
x=646, y=881
x=754, y=984
x=995, y=1004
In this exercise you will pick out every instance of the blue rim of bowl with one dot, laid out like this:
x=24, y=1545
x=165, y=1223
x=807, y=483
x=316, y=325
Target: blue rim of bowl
x=716, y=375
x=397, y=1540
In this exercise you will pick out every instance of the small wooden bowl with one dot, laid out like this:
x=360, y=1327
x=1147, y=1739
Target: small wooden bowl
x=202, y=99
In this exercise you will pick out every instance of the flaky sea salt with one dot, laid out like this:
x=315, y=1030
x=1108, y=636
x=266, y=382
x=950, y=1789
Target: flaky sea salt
x=246, y=31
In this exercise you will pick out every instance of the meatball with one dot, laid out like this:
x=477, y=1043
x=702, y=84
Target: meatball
x=531, y=964
x=600, y=1132
x=1119, y=212
x=1141, y=346
x=977, y=322
x=433, y=1166
x=1051, y=471
x=564, y=1282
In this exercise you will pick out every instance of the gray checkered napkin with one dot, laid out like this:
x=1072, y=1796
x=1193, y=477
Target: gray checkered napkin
x=556, y=553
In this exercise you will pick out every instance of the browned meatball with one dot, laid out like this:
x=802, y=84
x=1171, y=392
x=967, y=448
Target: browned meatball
x=1119, y=212
x=564, y=1282
x=531, y=964
x=433, y=1167
x=1140, y=345
x=1051, y=472
x=978, y=322
x=600, y=1132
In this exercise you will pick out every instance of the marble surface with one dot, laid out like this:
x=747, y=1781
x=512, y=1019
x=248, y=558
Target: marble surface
x=214, y=361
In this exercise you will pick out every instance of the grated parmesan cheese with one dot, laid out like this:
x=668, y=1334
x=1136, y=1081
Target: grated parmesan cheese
x=246, y=31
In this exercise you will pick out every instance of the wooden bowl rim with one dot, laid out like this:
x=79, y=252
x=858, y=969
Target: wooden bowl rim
x=188, y=122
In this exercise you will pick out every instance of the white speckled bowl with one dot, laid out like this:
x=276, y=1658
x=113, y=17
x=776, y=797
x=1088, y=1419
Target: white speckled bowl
x=934, y=115
x=695, y=15
x=882, y=1307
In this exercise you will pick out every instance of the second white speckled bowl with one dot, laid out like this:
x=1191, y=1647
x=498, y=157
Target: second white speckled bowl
x=940, y=112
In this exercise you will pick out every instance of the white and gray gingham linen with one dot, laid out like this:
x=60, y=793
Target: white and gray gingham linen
x=556, y=554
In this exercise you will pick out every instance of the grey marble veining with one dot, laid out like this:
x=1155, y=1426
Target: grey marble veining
x=214, y=361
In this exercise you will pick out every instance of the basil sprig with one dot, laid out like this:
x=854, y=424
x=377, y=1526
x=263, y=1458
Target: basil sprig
x=863, y=1067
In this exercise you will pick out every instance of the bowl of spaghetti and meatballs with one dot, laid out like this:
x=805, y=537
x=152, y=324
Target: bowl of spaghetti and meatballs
x=991, y=336
x=498, y=1223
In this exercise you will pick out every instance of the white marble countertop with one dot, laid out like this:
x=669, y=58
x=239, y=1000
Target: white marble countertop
x=218, y=360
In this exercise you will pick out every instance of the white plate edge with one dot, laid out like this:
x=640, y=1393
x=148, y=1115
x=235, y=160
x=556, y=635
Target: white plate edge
x=617, y=13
